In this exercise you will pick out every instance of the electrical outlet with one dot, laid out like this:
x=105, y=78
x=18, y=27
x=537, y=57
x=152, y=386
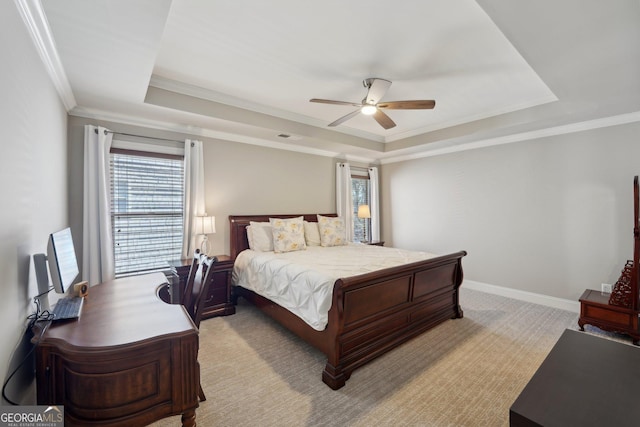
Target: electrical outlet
x=606, y=288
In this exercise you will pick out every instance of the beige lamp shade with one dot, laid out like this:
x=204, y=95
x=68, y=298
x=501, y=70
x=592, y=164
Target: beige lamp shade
x=364, y=212
x=205, y=225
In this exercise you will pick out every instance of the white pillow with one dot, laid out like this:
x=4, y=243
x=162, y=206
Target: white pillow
x=332, y=232
x=288, y=234
x=311, y=233
x=250, y=237
x=260, y=236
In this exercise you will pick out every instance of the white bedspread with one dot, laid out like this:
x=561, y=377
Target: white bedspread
x=302, y=281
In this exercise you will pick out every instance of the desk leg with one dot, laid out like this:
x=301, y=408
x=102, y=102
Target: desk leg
x=189, y=418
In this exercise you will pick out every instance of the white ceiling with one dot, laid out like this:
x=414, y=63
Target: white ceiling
x=245, y=70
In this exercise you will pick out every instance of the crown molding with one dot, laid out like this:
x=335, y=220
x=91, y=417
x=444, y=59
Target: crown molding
x=38, y=28
x=196, y=131
x=214, y=96
x=519, y=137
x=545, y=99
x=426, y=152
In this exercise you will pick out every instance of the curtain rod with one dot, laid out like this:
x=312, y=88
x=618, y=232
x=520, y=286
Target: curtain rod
x=360, y=169
x=357, y=168
x=138, y=136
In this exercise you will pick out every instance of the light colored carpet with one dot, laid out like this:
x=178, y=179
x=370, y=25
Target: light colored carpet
x=465, y=372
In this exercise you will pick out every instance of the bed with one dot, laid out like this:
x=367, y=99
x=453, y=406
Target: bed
x=370, y=313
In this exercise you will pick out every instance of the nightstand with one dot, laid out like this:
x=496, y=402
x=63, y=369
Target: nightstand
x=218, y=300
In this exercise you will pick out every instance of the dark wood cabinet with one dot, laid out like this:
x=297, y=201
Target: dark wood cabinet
x=596, y=310
x=218, y=299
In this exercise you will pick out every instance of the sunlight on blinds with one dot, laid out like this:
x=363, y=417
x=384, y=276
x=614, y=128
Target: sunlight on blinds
x=146, y=211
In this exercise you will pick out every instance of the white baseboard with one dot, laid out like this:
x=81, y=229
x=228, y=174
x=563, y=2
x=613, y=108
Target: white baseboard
x=563, y=304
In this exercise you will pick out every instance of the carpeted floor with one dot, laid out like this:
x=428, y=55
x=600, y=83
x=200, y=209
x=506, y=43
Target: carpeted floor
x=465, y=372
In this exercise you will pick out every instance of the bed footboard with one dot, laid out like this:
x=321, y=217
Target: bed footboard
x=374, y=313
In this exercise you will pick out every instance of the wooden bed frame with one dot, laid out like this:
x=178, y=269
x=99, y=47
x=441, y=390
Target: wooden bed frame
x=370, y=313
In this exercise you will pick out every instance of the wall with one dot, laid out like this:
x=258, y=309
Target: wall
x=551, y=216
x=245, y=179
x=34, y=182
x=239, y=179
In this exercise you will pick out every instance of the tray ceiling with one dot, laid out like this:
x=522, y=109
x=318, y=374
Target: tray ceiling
x=245, y=70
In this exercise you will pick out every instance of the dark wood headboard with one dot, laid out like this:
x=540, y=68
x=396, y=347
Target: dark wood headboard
x=239, y=223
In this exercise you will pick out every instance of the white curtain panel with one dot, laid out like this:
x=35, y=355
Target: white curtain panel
x=193, y=194
x=374, y=203
x=97, y=241
x=344, y=199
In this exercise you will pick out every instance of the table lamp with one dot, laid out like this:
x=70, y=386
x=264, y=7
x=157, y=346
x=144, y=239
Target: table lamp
x=365, y=213
x=205, y=225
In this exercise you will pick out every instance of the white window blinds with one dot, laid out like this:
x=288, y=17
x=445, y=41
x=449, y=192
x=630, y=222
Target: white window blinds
x=146, y=210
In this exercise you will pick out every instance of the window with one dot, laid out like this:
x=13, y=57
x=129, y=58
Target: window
x=360, y=194
x=146, y=210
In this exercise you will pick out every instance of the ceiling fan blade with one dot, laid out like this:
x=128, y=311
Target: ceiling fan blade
x=384, y=120
x=345, y=118
x=424, y=104
x=377, y=89
x=328, y=101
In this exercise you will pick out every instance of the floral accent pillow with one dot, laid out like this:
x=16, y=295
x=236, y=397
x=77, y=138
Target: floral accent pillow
x=288, y=234
x=332, y=231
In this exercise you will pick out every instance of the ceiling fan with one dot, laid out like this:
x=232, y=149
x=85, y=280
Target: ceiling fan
x=371, y=105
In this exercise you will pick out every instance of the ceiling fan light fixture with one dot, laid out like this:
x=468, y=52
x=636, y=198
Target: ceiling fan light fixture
x=369, y=110
x=371, y=105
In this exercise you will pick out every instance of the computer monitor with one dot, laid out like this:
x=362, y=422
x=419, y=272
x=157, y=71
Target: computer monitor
x=61, y=256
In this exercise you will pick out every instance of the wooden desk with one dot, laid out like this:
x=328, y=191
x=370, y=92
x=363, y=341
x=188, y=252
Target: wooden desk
x=584, y=381
x=130, y=359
